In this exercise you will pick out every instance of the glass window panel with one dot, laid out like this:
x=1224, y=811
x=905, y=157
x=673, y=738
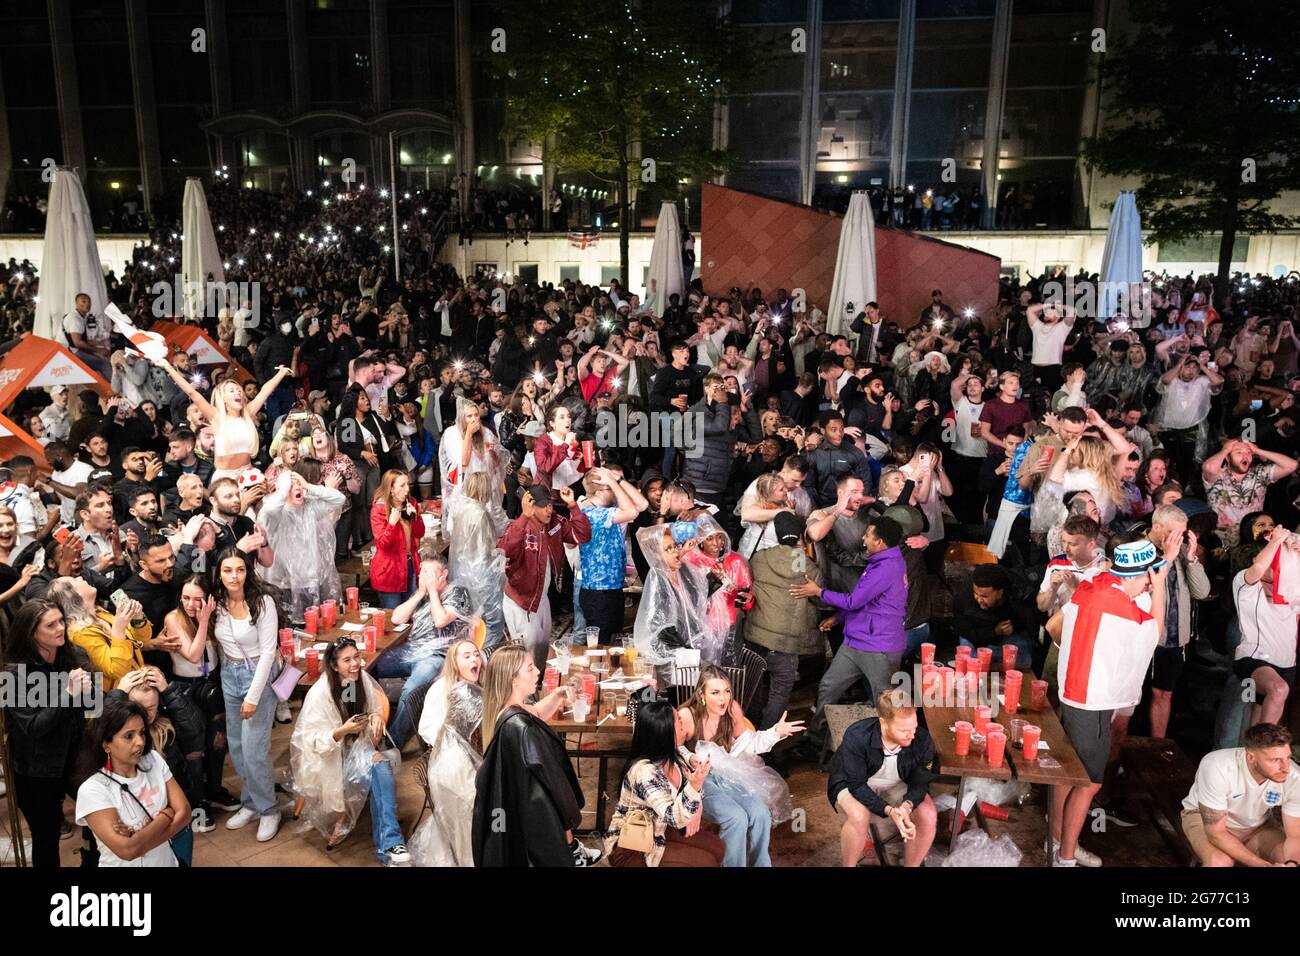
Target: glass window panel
x=34, y=135
x=422, y=55
x=768, y=11
x=259, y=59
x=782, y=69
x=953, y=54
x=859, y=56
x=947, y=125
x=765, y=127
x=955, y=8
x=855, y=127
x=110, y=137
x=569, y=273
x=1037, y=193
x=1049, y=51
x=179, y=137
x=833, y=10
x=779, y=182
x=1042, y=122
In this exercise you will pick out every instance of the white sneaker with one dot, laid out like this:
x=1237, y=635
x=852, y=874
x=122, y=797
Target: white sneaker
x=1081, y=856
x=282, y=713
x=241, y=818
x=268, y=827
x=398, y=856
x=1057, y=861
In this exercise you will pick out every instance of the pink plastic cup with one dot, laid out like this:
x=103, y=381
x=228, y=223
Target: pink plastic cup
x=1029, y=740
x=985, y=655
x=380, y=620
x=1038, y=695
x=369, y=634
x=963, y=650
x=961, y=664
x=1011, y=691
x=949, y=678
x=353, y=594
x=927, y=654
x=982, y=717
x=995, y=747
x=963, y=731
x=311, y=618
x=1009, y=654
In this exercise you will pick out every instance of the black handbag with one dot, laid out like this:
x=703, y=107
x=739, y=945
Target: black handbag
x=208, y=696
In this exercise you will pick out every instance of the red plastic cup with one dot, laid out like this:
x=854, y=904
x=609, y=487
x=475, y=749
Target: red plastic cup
x=995, y=746
x=330, y=613
x=948, y=677
x=1029, y=737
x=589, y=688
x=963, y=650
x=380, y=620
x=1009, y=654
x=993, y=726
x=930, y=681
x=311, y=618
x=286, y=636
x=972, y=685
x=588, y=454
x=369, y=634
x=313, y=663
x=927, y=654
x=1038, y=695
x=985, y=655
x=551, y=681
x=962, y=664
x=973, y=665
x=1011, y=691
x=983, y=715
x=991, y=811
x=437, y=506
x=353, y=594
x=963, y=729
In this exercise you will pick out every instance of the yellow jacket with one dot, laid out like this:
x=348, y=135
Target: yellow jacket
x=110, y=656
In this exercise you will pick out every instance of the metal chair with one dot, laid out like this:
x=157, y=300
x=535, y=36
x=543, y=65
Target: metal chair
x=753, y=666
x=420, y=767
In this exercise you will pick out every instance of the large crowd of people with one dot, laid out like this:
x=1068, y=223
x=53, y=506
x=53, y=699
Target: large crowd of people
x=1133, y=476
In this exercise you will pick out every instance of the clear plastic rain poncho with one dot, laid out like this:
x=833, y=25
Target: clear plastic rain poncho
x=674, y=603
x=300, y=519
x=332, y=777
x=472, y=529
x=491, y=458
x=719, y=645
x=444, y=839
x=743, y=772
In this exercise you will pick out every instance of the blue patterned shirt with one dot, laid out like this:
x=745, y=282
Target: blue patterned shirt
x=602, y=557
x=1013, y=492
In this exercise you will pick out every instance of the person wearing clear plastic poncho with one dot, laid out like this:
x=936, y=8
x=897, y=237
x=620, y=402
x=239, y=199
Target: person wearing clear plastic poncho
x=300, y=520
x=673, y=613
x=335, y=755
x=729, y=590
x=745, y=797
x=449, y=724
x=473, y=521
x=469, y=447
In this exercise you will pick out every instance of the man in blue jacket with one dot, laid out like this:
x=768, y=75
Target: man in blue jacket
x=873, y=616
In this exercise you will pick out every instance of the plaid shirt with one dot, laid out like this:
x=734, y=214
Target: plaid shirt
x=647, y=787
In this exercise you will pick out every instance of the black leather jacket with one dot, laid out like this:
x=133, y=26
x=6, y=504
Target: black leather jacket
x=45, y=735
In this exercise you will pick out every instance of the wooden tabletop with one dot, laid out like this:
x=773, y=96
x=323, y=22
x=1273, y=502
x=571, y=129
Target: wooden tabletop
x=940, y=720
x=1071, y=772
x=327, y=634
x=615, y=732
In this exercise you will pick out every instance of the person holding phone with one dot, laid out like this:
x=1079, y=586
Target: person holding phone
x=397, y=527
x=341, y=757
x=113, y=641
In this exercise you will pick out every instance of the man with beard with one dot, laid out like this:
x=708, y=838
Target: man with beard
x=1234, y=491
x=235, y=529
x=878, y=410
x=140, y=468
x=181, y=459
x=155, y=588
x=146, y=519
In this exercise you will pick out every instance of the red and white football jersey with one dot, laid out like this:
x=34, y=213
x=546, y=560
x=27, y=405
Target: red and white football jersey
x=1107, y=642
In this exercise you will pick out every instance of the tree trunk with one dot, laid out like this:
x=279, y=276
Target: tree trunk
x=624, y=228
x=1227, y=239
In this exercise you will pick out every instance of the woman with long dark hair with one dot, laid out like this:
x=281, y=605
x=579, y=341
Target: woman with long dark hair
x=358, y=435
x=245, y=631
x=129, y=799
x=664, y=785
x=45, y=734
x=339, y=757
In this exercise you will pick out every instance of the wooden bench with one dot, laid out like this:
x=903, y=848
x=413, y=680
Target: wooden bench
x=1160, y=775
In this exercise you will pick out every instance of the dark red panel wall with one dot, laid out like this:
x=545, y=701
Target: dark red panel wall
x=748, y=240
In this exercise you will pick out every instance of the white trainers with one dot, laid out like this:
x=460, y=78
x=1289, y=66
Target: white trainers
x=268, y=826
x=282, y=713
x=241, y=818
x=398, y=856
x=1081, y=856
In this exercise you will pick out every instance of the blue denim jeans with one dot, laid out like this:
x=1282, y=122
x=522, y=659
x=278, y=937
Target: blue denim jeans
x=420, y=675
x=916, y=636
x=1234, y=712
x=183, y=846
x=250, y=740
x=579, y=620
x=384, y=827
x=745, y=821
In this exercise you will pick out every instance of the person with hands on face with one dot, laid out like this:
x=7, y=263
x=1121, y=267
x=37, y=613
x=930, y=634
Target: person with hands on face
x=398, y=527
x=1185, y=584
x=1237, y=479
x=112, y=641
x=234, y=528
x=245, y=631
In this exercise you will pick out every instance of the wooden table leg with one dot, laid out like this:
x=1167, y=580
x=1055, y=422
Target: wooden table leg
x=956, y=811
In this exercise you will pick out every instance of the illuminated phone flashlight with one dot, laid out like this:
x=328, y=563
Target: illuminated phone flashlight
x=938, y=323
x=614, y=382
x=607, y=325
x=968, y=312
x=538, y=378
x=1121, y=326
x=458, y=365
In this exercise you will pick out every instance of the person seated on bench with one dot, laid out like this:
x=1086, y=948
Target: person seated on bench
x=881, y=774
x=1227, y=815
x=990, y=616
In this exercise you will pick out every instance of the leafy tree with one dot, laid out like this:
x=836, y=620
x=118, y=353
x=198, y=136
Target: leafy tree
x=1210, y=94
x=622, y=91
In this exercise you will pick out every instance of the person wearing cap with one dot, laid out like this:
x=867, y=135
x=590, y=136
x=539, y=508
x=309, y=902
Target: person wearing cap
x=533, y=545
x=780, y=627
x=1107, y=642
x=54, y=416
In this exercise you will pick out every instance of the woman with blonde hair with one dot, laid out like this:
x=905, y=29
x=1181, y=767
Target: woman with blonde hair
x=742, y=795
x=233, y=417
x=113, y=641
x=449, y=724
x=333, y=462
x=398, y=528
x=467, y=447
x=1088, y=464
x=473, y=521
x=526, y=774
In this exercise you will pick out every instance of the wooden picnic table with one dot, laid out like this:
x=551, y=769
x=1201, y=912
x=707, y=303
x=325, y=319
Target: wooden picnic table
x=603, y=736
x=327, y=634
